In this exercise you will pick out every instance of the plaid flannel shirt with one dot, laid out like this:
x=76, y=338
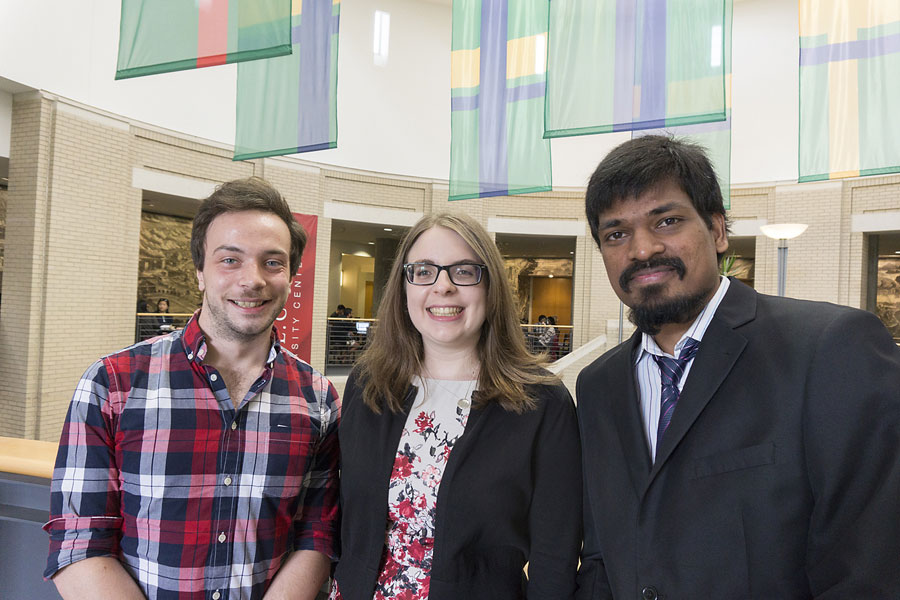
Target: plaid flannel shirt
x=197, y=499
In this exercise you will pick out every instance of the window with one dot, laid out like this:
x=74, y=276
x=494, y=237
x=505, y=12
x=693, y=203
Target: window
x=381, y=37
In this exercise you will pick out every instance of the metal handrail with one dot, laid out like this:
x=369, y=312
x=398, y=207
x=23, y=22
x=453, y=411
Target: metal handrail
x=146, y=325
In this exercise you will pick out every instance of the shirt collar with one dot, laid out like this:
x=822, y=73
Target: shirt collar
x=195, y=341
x=695, y=331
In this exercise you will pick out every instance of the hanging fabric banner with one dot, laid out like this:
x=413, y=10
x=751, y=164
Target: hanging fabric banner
x=288, y=104
x=849, y=88
x=621, y=65
x=497, y=81
x=715, y=137
x=158, y=36
x=294, y=324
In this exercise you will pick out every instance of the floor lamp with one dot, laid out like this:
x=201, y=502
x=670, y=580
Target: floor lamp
x=782, y=232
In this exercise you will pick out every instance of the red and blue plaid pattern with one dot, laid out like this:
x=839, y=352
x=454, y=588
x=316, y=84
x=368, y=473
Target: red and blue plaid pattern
x=158, y=468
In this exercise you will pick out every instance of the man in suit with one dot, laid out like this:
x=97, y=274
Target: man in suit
x=738, y=445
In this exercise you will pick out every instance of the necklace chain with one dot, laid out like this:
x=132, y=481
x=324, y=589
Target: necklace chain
x=465, y=401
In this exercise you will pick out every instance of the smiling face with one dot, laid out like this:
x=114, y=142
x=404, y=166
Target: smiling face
x=246, y=275
x=660, y=255
x=448, y=317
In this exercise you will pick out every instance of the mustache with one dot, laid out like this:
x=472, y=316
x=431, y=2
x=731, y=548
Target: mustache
x=662, y=261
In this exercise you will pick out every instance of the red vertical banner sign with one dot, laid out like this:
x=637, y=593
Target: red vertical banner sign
x=295, y=321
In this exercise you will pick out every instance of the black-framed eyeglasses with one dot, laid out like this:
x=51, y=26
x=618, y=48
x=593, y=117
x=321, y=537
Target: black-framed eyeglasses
x=422, y=273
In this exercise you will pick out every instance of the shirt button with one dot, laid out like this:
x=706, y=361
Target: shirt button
x=228, y=481
x=233, y=425
x=222, y=537
x=216, y=595
x=649, y=593
x=213, y=377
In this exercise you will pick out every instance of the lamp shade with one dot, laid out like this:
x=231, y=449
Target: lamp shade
x=783, y=231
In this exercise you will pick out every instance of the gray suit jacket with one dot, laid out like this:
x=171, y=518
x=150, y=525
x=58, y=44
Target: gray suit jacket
x=778, y=477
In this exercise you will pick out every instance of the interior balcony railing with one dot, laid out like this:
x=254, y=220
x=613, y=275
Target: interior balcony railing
x=148, y=325
x=554, y=340
x=347, y=339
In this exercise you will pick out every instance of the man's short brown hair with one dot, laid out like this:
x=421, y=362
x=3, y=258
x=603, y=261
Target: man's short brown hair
x=253, y=193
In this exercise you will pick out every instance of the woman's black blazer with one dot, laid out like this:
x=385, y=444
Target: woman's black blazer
x=510, y=495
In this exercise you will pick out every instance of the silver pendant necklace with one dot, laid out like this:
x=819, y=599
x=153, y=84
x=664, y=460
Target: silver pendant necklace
x=464, y=402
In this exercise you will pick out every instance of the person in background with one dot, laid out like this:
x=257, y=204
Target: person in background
x=738, y=445
x=547, y=340
x=204, y=463
x=164, y=323
x=460, y=454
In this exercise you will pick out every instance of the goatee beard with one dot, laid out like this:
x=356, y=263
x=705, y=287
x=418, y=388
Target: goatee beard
x=649, y=317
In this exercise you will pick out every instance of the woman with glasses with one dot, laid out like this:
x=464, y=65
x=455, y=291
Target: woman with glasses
x=460, y=452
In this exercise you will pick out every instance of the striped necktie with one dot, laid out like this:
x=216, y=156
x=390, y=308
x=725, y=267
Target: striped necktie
x=670, y=372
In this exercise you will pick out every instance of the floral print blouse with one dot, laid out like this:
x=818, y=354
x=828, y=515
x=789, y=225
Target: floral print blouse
x=434, y=424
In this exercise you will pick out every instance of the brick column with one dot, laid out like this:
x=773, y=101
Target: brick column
x=70, y=273
x=24, y=268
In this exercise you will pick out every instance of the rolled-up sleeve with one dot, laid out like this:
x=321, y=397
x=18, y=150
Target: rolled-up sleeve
x=317, y=519
x=85, y=519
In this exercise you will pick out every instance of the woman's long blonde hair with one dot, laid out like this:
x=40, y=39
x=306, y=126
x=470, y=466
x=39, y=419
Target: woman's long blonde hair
x=395, y=354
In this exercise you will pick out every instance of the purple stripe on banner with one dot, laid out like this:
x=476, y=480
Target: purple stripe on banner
x=623, y=84
x=888, y=44
x=464, y=102
x=653, y=61
x=314, y=112
x=526, y=92
x=640, y=125
x=492, y=151
x=335, y=28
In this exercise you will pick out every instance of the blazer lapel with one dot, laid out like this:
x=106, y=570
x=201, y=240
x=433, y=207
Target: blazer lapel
x=625, y=408
x=719, y=350
x=390, y=426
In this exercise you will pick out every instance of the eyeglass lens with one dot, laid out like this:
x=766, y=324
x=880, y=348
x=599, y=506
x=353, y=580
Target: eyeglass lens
x=427, y=274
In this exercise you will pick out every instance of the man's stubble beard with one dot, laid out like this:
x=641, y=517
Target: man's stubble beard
x=226, y=329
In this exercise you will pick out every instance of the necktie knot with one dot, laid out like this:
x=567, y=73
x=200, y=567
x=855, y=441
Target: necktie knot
x=670, y=372
x=671, y=369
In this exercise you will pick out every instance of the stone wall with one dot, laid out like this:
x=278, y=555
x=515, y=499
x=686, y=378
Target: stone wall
x=165, y=267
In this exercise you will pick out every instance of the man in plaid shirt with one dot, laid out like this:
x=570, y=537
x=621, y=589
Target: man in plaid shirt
x=204, y=463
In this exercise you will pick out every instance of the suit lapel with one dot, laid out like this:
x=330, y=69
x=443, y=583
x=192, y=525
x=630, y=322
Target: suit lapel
x=719, y=350
x=625, y=408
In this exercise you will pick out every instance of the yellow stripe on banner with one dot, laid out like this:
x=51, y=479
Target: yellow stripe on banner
x=695, y=96
x=841, y=19
x=296, y=7
x=465, y=68
x=843, y=117
x=843, y=174
x=522, y=56
x=336, y=2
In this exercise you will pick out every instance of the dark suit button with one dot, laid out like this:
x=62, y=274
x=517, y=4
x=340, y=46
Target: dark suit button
x=649, y=593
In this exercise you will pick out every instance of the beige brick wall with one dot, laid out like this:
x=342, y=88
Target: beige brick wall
x=3, y=195
x=73, y=223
